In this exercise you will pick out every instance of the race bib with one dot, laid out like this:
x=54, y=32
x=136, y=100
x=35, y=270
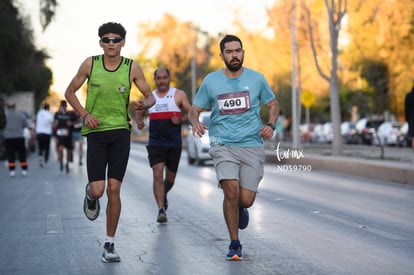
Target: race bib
x=62, y=132
x=233, y=103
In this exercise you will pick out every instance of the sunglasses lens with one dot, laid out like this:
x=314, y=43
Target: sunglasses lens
x=114, y=40
x=117, y=40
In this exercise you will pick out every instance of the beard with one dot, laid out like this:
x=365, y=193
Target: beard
x=234, y=66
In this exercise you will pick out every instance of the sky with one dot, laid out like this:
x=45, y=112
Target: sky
x=72, y=36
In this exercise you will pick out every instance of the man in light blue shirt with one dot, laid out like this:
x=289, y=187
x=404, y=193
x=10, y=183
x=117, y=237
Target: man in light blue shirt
x=234, y=94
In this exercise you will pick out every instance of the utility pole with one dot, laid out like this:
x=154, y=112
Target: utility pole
x=193, y=64
x=295, y=126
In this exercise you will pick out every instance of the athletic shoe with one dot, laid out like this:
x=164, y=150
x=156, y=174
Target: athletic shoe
x=165, y=202
x=243, y=218
x=90, y=207
x=162, y=216
x=109, y=255
x=235, y=251
x=24, y=173
x=41, y=162
x=12, y=174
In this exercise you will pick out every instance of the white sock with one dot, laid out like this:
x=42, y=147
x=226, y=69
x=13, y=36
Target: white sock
x=109, y=239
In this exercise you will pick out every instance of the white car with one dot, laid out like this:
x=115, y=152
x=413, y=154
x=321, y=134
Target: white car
x=198, y=147
x=387, y=134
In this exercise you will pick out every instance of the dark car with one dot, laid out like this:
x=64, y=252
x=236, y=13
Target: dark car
x=366, y=129
x=403, y=140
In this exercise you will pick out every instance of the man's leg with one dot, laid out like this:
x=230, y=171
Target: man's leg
x=169, y=180
x=47, y=149
x=60, y=155
x=113, y=208
x=159, y=191
x=158, y=183
x=40, y=146
x=171, y=164
x=113, y=212
x=231, y=207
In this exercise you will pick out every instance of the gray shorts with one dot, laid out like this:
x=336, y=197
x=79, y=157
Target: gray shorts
x=245, y=164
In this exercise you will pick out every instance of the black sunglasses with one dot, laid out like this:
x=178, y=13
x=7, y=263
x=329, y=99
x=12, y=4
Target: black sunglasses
x=114, y=40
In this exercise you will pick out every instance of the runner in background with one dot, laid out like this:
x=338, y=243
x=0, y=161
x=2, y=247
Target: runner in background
x=77, y=138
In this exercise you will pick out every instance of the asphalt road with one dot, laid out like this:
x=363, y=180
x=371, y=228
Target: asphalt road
x=308, y=222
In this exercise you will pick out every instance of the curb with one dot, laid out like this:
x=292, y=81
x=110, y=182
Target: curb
x=400, y=172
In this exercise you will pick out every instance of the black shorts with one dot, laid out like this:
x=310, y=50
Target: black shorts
x=66, y=142
x=169, y=155
x=108, y=149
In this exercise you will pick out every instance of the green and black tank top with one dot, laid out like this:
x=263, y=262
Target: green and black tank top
x=108, y=95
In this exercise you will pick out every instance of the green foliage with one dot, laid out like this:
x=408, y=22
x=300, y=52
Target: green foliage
x=284, y=94
x=22, y=66
x=376, y=74
x=47, y=12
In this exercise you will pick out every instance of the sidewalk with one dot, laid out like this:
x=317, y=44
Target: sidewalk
x=394, y=168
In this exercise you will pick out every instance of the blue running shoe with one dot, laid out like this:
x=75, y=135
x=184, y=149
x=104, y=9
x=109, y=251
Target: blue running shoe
x=235, y=251
x=243, y=218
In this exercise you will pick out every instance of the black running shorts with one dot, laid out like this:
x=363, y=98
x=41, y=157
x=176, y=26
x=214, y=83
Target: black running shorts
x=108, y=149
x=169, y=155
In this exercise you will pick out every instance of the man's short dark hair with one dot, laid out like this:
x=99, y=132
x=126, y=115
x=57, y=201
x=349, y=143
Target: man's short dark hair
x=229, y=38
x=112, y=27
x=163, y=68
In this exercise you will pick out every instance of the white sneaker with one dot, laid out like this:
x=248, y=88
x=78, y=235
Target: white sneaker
x=24, y=173
x=12, y=173
x=109, y=255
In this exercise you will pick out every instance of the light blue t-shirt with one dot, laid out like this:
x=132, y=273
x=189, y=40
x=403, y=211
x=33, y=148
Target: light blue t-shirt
x=235, y=107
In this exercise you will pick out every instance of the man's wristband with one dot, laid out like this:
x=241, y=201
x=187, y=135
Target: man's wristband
x=85, y=116
x=271, y=126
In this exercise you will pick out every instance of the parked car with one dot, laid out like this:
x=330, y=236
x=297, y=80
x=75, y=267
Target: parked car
x=387, y=133
x=317, y=134
x=348, y=132
x=198, y=147
x=322, y=133
x=305, y=132
x=366, y=128
x=327, y=131
x=403, y=139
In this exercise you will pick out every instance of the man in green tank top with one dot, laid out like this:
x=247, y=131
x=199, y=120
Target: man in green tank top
x=106, y=117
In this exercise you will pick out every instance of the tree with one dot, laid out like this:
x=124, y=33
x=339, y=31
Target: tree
x=382, y=31
x=336, y=11
x=22, y=66
x=161, y=43
x=47, y=12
